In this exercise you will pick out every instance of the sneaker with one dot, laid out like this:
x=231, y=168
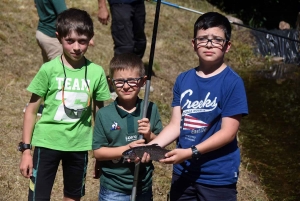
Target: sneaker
x=40, y=111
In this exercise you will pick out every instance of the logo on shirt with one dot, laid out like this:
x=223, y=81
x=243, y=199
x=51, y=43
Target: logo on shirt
x=206, y=105
x=192, y=123
x=131, y=138
x=115, y=126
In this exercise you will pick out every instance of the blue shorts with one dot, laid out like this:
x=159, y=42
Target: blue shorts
x=45, y=165
x=108, y=195
x=183, y=189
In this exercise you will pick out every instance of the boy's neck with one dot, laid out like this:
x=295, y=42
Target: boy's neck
x=127, y=105
x=206, y=71
x=69, y=63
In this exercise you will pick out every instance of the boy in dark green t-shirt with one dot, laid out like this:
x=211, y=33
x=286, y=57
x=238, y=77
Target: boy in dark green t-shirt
x=117, y=127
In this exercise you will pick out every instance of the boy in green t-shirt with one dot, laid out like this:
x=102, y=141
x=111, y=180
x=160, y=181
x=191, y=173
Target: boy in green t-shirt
x=69, y=85
x=117, y=127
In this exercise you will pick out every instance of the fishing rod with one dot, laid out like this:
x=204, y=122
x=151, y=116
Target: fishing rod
x=201, y=13
x=147, y=91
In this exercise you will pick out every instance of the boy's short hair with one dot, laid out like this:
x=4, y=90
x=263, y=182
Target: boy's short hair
x=126, y=61
x=213, y=19
x=77, y=20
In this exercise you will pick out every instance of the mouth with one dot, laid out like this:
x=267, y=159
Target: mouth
x=208, y=53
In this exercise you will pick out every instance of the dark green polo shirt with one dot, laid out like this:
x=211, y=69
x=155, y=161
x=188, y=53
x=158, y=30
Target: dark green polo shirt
x=115, y=127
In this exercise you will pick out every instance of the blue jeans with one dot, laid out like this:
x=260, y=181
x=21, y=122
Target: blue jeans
x=108, y=195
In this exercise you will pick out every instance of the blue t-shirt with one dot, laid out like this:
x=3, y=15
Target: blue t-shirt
x=204, y=101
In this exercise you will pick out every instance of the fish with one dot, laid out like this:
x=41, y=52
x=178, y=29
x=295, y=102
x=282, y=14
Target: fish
x=155, y=151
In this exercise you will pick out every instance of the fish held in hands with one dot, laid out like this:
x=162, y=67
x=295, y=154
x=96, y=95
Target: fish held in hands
x=155, y=151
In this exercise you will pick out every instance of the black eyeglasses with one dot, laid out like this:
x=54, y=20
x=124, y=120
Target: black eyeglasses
x=133, y=82
x=215, y=42
x=75, y=113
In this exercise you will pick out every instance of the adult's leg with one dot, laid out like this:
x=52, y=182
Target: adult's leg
x=74, y=170
x=139, y=35
x=121, y=28
x=45, y=164
x=50, y=47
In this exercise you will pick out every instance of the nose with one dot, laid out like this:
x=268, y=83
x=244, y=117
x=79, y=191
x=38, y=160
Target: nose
x=209, y=41
x=76, y=46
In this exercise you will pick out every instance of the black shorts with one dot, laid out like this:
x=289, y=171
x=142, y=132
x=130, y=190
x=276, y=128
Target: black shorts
x=45, y=165
x=183, y=189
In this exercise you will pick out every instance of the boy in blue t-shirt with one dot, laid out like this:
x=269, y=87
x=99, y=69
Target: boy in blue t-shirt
x=208, y=104
x=117, y=128
x=69, y=85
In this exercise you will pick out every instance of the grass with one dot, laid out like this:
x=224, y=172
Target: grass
x=20, y=59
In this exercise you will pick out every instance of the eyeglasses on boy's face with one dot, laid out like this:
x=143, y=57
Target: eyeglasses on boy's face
x=133, y=82
x=215, y=42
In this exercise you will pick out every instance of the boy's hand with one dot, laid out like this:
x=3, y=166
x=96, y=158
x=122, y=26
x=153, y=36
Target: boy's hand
x=26, y=164
x=136, y=143
x=177, y=156
x=144, y=128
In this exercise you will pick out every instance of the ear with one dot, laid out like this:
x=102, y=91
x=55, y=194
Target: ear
x=144, y=79
x=57, y=36
x=228, y=45
x=110, y=81
x=194, y=45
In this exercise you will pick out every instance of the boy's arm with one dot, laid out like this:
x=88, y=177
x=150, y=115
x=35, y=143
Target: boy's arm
x=111, y=153
x=225, y=135
x=171, y=132
x=26, y=163
x=96, y=106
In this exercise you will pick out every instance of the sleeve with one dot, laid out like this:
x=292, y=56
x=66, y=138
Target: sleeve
x=235, y=101
x=39, y=84
x=176, y=92
x=101, y=92
x=99, y=137
x=59, y=6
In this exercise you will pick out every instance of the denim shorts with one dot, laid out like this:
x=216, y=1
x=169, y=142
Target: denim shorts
x=183, y=189
x=108, y=195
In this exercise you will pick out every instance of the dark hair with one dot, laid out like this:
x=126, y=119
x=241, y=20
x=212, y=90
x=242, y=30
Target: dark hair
x=213, y=19
x=126, y=61
x=77, y=20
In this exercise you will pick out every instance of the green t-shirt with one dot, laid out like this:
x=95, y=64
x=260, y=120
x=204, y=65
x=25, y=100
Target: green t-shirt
x=48, y=11
x=55, y=130
x=115, y=127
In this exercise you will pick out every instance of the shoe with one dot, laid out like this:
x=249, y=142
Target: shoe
x=40, y=111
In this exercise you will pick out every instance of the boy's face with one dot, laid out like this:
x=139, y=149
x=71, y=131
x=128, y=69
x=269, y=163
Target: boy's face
x=74, y=45
x=129, y=89
x=210, y=44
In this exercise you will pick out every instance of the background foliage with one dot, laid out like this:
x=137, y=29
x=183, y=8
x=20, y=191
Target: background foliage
x=261, y=13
